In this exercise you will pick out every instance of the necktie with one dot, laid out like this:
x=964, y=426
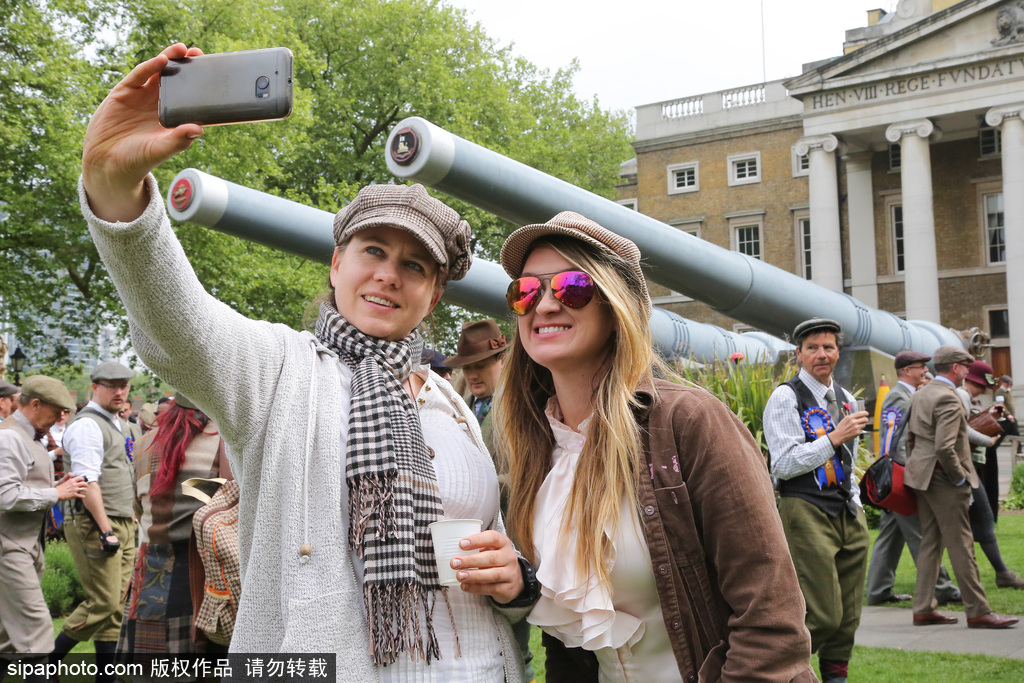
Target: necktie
x=40, y=433
x=832, y=405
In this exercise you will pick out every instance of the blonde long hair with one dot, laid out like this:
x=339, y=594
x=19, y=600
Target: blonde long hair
x=611, y=459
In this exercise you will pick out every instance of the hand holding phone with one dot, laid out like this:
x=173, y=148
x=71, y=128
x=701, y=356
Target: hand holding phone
x=228, y=87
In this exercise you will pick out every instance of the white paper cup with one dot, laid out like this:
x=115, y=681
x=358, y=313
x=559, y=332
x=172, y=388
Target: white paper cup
x=447, y=534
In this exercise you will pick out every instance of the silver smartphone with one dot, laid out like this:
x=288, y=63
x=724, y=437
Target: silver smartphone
x=227, y=87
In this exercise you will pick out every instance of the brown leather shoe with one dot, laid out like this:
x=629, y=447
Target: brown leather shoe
x=991, y=620
x=933, y=618
x=1008, y=579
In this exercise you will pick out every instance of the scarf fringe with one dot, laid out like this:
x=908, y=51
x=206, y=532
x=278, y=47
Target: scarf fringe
x=392, y=619
x=371, y=498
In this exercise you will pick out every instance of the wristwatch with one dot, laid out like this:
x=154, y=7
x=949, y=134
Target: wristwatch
x=531, y=586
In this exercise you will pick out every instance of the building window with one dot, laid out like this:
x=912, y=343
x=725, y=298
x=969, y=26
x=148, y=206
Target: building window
x=803, y=227
x=990, y=141
x=998, y=322
x=744, y=168
x=684, y=178
x=995, y=235
x=894, y=157
x=748, y=240
x=801, y=164
x=629, y=204
x=896, y=221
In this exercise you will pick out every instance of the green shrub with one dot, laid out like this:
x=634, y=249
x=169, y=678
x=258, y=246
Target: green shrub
x=61, y=587
x=1015, y=498
x=744, y=388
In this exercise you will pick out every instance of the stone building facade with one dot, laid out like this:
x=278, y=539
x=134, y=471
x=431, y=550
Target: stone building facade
x=894, y=172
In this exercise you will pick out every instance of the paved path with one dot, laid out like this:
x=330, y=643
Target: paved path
x=893, y=626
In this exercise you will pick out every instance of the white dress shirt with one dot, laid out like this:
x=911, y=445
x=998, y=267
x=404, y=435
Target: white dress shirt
x=792, y=454
x=83, y=444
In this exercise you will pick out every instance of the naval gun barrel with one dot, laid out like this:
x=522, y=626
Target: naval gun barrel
x=737, y=285
x=280, y=223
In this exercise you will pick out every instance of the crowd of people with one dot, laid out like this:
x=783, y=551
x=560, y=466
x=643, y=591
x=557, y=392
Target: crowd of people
x=626, y=513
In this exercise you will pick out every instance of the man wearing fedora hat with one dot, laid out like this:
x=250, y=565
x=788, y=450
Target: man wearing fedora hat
x=27, y=493
x=478, y=353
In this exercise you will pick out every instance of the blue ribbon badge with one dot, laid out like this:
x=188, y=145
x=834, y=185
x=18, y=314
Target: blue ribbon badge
x=817, y=423
x=891, y=417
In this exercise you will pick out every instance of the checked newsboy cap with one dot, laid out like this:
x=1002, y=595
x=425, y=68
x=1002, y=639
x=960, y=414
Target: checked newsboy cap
x=408, y=207
x=947, y=355
x=111, y=371
x=909, y=357
x=569, y=223
x=48, y=390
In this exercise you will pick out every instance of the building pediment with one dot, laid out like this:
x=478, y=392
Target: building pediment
x=971, y=43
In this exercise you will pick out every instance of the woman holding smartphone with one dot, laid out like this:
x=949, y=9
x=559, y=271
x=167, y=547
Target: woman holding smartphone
x=645, y=504
x=345, y=451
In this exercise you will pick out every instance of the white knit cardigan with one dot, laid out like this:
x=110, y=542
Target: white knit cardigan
x=278, y=396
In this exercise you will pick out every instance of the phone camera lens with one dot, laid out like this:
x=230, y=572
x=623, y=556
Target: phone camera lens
x=262, y=82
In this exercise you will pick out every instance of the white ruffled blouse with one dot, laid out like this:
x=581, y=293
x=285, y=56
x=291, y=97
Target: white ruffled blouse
x=623, y=626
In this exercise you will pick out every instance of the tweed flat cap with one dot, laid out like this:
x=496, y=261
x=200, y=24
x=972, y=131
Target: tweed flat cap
x=813, y=326
x=7, y=389
x=571, y=224
x=111, y=371
x=1006, y=379
x=909, y=357
x=48, y=390
x=947, y=355
x=409, y=207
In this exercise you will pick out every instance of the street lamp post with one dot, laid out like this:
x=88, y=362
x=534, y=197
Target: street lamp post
x=18, y=364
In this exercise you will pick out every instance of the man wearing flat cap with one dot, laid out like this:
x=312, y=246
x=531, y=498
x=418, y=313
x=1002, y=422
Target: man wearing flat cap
x=812, y=425
x=8, y=399
x=100, y=529
x=940, y=470
x=895, y=529
x=27, y=493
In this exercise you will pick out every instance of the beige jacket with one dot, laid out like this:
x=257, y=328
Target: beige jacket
x=937, y=436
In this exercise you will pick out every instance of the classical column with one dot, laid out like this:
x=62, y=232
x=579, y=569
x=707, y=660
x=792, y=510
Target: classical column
x=826, y=253
x=1008, y=119
x=861, y=209
x=921, y=271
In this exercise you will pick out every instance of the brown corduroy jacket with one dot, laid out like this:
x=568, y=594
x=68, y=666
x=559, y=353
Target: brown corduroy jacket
x=729, y=593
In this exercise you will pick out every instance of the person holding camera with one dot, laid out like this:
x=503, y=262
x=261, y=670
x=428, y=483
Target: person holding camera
x=356, y=450
x=100, y=529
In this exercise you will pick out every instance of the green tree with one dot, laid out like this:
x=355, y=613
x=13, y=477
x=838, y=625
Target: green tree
x=360, y=67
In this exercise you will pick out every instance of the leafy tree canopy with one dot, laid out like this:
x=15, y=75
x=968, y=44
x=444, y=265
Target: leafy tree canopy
x=360, y=67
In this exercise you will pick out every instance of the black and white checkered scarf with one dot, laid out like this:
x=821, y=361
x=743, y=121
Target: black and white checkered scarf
x=392, y=489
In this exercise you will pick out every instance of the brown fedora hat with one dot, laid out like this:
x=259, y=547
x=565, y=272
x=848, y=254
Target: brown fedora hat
x=479, y=340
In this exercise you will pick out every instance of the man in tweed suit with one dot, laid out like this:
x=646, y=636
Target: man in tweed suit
x=895, y=529
x=940, y=470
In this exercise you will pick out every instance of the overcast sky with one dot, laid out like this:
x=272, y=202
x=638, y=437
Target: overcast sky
x=644, y=51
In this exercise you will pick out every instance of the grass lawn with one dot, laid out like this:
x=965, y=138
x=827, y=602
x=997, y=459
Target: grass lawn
x=1010, y=533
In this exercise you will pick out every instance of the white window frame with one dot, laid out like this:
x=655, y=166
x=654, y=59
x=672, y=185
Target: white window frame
x=733, y=160
x=890, y=225
x=740, y=223
x=633, y=204
x=804, y=265
x=985, y=192
x=801, y=164
x=688, y=166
